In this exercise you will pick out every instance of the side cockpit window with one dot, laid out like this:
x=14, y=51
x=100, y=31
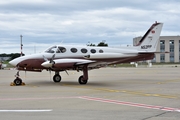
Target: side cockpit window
x=61, y=50
x=51, y=50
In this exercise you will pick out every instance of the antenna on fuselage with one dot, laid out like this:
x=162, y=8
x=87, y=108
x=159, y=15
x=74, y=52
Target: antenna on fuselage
x=62, y=41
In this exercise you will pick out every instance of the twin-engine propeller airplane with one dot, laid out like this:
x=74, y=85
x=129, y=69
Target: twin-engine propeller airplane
x=60, y=58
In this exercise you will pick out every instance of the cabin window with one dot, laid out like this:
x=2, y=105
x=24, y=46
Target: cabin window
x=73, y=50
x=93, y=51
x=61, y=50
x=83, y=50
x=101, y=51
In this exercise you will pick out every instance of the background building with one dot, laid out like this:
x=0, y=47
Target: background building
x=169, y=44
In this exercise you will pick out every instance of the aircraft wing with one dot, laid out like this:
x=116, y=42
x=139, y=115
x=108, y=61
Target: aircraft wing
x=93, y=61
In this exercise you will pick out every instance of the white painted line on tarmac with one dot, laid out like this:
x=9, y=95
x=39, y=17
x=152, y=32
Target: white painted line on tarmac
x=131, y=104
x=46, y=110
x=91, y=99
x=45, y=98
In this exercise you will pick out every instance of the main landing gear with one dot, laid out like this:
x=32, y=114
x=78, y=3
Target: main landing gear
x=17, y=81
x=57, y=77
x=83, y=79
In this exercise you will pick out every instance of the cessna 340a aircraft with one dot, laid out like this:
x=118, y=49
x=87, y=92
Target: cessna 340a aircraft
x=60, y=58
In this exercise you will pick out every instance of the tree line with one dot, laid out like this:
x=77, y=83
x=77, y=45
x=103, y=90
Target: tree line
x=101, y=44
x=12, y=55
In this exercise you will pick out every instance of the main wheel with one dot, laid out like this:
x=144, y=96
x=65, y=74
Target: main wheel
x=18, y=81
x=81, y=81
x=57, y=78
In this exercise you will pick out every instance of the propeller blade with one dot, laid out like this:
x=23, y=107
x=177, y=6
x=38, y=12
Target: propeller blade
x=25, y=74
x=50, y=73
x=51, y=60
x=66, y=72
x=45, y=59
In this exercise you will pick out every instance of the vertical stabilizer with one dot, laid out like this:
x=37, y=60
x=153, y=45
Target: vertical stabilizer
x=149, y=41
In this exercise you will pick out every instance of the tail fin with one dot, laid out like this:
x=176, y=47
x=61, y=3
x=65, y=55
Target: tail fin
x=149, y=41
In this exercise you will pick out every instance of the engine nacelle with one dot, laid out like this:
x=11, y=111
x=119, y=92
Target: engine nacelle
x=65, y=63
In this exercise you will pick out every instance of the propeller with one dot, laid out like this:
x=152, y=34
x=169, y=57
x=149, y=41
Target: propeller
x=48, y=63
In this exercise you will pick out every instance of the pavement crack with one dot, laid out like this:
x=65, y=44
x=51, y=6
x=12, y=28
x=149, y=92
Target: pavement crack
x=156, y=115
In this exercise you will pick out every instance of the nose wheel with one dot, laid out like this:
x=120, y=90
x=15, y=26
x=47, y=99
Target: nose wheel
x=17, y=81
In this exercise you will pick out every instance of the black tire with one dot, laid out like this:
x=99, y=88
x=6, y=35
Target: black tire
x=18, y=81
x=81, y=81
x=57, y=78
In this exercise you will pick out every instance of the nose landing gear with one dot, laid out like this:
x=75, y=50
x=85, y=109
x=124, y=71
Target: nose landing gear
x=17, y=81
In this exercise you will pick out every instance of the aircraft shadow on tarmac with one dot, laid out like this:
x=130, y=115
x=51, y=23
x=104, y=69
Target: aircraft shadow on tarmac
x=68, y=83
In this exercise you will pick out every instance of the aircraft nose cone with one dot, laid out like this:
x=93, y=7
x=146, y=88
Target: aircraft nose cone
x=13, y=62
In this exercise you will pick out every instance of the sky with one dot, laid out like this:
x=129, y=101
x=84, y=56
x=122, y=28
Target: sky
x=43, y=23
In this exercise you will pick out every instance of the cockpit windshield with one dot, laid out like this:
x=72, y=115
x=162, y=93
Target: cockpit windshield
x=56, y=49
x=51, y=49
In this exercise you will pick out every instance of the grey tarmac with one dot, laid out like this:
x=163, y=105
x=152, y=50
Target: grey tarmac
x=110, y=94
